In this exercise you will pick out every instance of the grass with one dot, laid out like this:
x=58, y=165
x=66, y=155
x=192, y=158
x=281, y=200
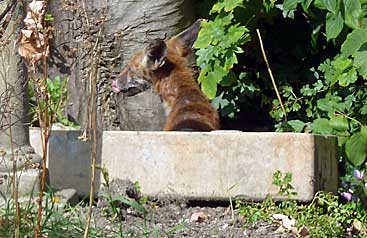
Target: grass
x=325, y=216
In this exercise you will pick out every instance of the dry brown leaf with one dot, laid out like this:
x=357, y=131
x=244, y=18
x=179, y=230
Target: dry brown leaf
x=286, y=222
x=84, y=137
x=33, y=46
x=303, y=231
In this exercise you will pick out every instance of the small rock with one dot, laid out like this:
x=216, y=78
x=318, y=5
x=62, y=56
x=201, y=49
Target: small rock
x=198, y=217
x=225, y=226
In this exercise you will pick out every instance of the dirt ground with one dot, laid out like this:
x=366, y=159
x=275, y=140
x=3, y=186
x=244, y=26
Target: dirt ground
x=179, y=218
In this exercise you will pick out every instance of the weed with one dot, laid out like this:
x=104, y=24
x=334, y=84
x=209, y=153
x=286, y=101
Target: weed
x=284, y=184
x=57, y=90
x=325, y=216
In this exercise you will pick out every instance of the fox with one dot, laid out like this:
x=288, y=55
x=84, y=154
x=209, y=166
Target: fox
x=164, y=65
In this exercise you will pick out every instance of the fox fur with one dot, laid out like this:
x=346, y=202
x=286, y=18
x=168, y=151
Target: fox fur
x=164, y=64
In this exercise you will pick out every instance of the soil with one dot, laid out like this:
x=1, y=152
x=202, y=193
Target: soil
x=173, y=217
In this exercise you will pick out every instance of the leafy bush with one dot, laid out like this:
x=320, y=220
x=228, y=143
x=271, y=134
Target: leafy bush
x=317, y=52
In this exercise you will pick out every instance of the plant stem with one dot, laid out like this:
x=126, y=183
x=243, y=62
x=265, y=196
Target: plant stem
x=15, y=184
x=45, y=125
x=93, y=124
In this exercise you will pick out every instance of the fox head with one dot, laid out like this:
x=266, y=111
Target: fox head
x=146, y=68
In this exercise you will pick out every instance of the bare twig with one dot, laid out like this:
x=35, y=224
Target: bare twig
x=271, y=74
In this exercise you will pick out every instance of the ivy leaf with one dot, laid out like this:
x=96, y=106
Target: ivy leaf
x=307, y=91
x=356, y=148
x=341, y=63
x=329, y=5
x=360, y=62
x=289, y=5
x=226, y=5
x=330, y=104
x=228, y=80
x=321, y=126
x=205, y=54
x=348, y=77
x=354, y=41
x=205, y=35
x=230, y=60
x=339, y=123
x=364, y=109
x=353, y=13
x=306, y=5
x=209, y=85
x=334, y=25
x=296, y=125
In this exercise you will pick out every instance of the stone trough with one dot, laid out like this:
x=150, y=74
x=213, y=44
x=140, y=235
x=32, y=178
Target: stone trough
x=210, y=166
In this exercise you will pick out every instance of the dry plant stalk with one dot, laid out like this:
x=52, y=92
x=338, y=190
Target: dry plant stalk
x=93, y=73
x=7, y=108
x=271, y=74
x=92, y=34
x=34, y=48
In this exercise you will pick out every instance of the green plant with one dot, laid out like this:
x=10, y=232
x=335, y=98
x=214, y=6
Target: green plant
x=320, y=71
x=57, y=90
x=334, y=101
x=218, y=44
x=55, y=223
x=325, y=216
x=115, y=201
x=284, y=183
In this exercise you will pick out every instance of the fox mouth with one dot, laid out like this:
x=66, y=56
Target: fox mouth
x=130, y=90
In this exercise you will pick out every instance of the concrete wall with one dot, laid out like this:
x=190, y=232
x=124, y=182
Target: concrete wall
x=213, y=165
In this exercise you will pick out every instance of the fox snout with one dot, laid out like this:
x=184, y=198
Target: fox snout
x=129, y=87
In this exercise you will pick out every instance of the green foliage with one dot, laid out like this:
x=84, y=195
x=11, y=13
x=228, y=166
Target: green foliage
x=321, y=78
x=218, y=44
x=55, y=223
x=57, y=95
x=284, y=183
x=335, y=102
x=115, y=201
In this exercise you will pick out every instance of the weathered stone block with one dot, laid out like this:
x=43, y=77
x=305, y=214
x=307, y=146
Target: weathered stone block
x=68, y=160
x=28, y=184
x=218, y=165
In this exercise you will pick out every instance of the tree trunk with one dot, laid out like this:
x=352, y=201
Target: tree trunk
x=130, y=26
x=14, y=102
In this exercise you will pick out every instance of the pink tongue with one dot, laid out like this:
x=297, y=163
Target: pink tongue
x=114, y=87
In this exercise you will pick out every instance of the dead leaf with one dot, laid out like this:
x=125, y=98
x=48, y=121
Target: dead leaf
x=84, y=137
x=285, y=221
x=280, y=229
x=358, y=226
x=303, y=231
x=198, y=217
x=32, y=44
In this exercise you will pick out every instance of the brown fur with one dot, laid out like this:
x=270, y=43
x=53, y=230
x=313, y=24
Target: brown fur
x=188, y=108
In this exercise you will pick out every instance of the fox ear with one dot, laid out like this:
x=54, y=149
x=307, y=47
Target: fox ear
x=155, y=54
x=189, y=36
